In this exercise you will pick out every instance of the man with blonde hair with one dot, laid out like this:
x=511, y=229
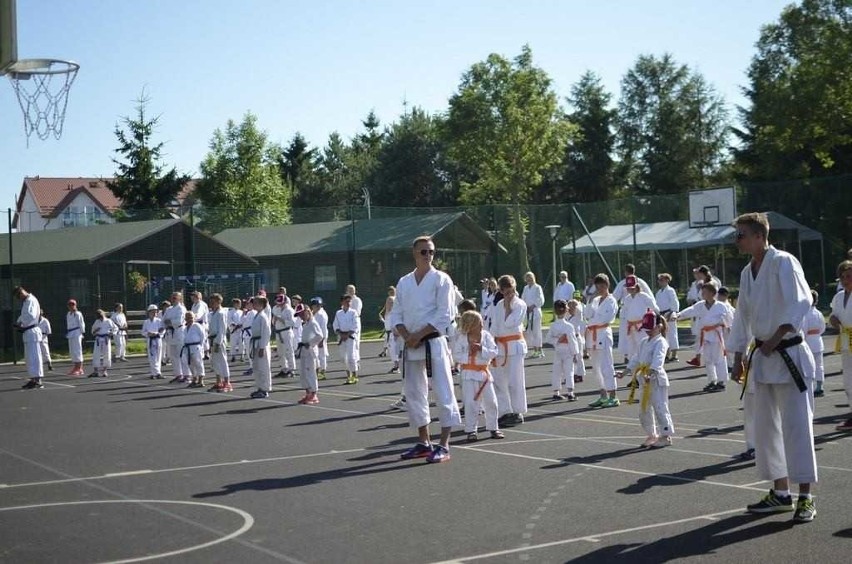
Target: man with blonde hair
x=773, y=302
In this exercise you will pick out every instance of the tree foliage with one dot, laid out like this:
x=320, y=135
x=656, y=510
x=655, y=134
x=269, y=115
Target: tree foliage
x=240, y=184
x=411, y=164
x=140, y=181
x=672, y=127
x=505, y=125
x=587, y=170
x=799, y=123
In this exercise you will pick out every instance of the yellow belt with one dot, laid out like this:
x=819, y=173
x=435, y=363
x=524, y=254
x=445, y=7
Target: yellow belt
x=847, y=331
x=642, y=370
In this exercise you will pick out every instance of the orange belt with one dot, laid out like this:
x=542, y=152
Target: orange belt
x=710, y=328
x=504, y=341
x=633, y=325
x=814, y=332
x=593, y=329
x=479, y=368
x=563, y=339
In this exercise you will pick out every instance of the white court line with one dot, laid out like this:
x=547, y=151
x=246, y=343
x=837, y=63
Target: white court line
x=248, y=522
x=612, y=420
x=178, y=469
x=757, y=483
x=610, y=468
x=590, y=538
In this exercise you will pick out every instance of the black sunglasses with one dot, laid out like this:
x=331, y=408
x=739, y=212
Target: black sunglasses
x=425, y=252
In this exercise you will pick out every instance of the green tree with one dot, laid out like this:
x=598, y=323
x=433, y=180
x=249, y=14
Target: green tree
x=240, y=184
x=140, y=181
x=672, y=127
x=505, y=126
x=799, y=122
x=335, y=180
x=587, y=171
x=410, y=168
x=297, y=166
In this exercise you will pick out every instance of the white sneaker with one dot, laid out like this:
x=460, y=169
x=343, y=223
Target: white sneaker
x=399, y=404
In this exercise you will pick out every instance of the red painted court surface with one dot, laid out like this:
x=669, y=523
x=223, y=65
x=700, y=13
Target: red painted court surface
x=127, y=469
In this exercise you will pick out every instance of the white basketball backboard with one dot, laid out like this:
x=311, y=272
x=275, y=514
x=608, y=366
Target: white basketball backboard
x=708, y=208
x=8, y=35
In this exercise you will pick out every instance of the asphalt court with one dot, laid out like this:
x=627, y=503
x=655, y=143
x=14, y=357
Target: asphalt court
x=128, y=469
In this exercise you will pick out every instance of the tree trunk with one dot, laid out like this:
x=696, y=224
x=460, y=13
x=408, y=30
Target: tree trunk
x=520, y=231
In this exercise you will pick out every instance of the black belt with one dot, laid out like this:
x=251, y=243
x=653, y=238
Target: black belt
x=299, y=347
x=27, y=328
x=782, y=350
x=71, y=331
x=253, y=346
x=186, y=348
x=102, y=338
x=425, y=340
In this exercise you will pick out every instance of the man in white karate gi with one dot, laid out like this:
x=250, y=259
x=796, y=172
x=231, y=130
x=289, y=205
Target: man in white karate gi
x=774, y=299
x=421, y=316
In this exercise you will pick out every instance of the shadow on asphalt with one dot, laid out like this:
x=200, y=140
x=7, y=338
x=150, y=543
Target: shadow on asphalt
x=685, y=476
x=312, y=478
x=702, y=541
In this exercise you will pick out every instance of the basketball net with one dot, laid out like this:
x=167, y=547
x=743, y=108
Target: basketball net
x=42, y=86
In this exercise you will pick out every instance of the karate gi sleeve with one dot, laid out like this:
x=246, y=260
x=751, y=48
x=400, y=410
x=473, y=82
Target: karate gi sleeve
x=441, y=316
x=489, y=346
x=740, y=336
x=658, y=355
x=796, y=293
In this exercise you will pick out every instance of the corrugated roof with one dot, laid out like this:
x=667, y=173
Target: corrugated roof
x=77, y=243
x=668, y=235
x=337, y=236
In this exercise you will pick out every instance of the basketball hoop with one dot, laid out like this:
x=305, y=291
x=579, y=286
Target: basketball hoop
x=42, y=86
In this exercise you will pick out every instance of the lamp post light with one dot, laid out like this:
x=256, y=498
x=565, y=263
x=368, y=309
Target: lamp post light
x=366, y=192
x=554, y=231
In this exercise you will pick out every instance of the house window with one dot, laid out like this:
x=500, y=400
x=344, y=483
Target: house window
x=79, y=290
x=325, y=278
x=67, y=218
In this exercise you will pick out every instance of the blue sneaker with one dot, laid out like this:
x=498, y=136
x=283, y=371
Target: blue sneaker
x=420, y=450
x=439, y=454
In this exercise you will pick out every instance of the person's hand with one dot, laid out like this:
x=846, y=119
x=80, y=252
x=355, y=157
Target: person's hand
x=737, y=372
x=768, y=346
x=412, y=341
x=475, y=347
x=834, y=322
x=260, y=353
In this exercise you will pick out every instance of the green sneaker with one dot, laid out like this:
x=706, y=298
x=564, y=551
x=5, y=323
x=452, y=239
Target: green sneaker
x=598, y=402
x=611, y=402
x=805, y=510
x=772, y=503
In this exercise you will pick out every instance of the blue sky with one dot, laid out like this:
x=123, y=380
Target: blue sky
x=320, y=66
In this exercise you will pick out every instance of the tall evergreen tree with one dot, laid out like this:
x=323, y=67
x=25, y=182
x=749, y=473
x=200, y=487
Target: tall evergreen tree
x=140, y=181
x=672, y=127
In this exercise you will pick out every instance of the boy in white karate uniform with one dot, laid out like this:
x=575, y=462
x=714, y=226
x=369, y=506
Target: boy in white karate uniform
x=634, y=305
x=120, y=319
x=260, y=350
x=235, y=328
x=814, y=328
x=841, y=319
x=192, y=351
x=773, y=301
x=103, y=329
x=712, y=318
x=563, y=336
x=321, y=318
x=599, y=314
x=507, y=318
x=75, y=328
x=668, y=303
x=347, y=325
x=533, y=296
x=44, y=325
x=152, y=331
x=311, y=338
x=475, y=348
x=217, y=324
x=173, y=320
x=282, y=330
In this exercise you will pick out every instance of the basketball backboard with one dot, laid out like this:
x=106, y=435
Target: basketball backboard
x=8, y=35
x=708, y=208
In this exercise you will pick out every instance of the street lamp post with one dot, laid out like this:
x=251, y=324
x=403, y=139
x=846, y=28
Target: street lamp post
x=554, y=231
x=366, y=192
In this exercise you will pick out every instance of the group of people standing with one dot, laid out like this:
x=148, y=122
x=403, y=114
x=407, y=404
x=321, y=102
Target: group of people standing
x=764, y=341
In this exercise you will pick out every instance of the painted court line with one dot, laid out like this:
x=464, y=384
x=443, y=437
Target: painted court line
x=177, y=469
x=590, y=538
